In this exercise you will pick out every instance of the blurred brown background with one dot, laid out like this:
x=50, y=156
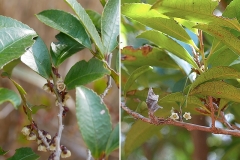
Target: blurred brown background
x=12, y=121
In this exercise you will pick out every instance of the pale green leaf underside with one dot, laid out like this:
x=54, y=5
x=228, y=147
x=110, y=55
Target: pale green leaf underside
x=110, y=25
x=134, y=75
x=215, y=73
x=87, y=23
x=93, y=119
x=151, y=18
x=85, y=72
x=7, y=22
x=13, y=43
x=218, y=89
x=11, y=96
x=223, y=35
x=196, y=11
x=163, y=41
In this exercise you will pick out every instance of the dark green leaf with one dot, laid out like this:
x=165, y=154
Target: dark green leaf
x=2, y=152
x=218, y=89
x=134, y=75
x=68, y=24
x=147, y=55
x=142, y=13
x=169, y=44
x=85, y=72
x=14, y=42
x=64, y=48
x=103, y=2
x=223, y=35
x=138, y=134
x=113, y=140
x=216, y=73
x=24, y=154
x=196, y=11
x=11, y=96
x=93, y=119
x=38, y=59
x=87, y=23
x=110, y=25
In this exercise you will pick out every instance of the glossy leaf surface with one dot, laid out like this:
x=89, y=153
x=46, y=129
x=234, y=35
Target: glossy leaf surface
x=93, y=119
x=85, y=72
x=110, y=25
x=68, y=24
x=24, y=154
x=38, y=58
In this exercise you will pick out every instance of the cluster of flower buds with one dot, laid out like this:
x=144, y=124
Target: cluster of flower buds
x=28, y=132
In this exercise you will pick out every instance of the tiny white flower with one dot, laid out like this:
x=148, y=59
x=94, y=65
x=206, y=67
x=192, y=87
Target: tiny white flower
x=39, y=141
x=187, y=115
x=46, y=88
x=48, y=136
x=52, y=147
x=42, y=148
x=60, y=85
x=26, y=131
x=174, y=116
x=66, y=155
x=32, y=137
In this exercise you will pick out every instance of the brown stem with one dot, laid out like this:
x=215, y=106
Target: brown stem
x=188, y=126
x=210, y=103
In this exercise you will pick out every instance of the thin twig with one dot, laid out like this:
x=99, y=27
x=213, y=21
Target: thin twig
x=210, y=103
x=188, y=126
x=109, y=81
x=224, y=121
x=43, y=139
x=60, y=124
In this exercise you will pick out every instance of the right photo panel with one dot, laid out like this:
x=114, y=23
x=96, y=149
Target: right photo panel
x=180, y=74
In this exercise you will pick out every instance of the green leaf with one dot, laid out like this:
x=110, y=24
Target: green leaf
x=216, y=73
x=64, y=48
x=113, y=140
x=223, y=35
x=7, y=22
x=2, y=152
x=163, y=41
x=135, y=74
x=151, y=18
x=11, y=96
x=103, y=2
x=96, y=19
x=93, y=119
x=14, y=42
x=147, y=55
x=35, y=108
x=87, y=23
x=38, y=59
x=85, y=72
x=218, y=89
x=110, y=25
x=232, y=10
x=68, y=24
x=222, y=57
x=196, y=11
x=8, y=68
x=24, y=154
x=179, y=97
x=139, y=133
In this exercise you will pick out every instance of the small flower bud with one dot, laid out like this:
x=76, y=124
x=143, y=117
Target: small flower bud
x=42, y=148
x=26, y=131
x=46, y=88
x=174, y=116
x=39, y=141
x=66, y=154
x=52, y=147
x=60, y=85
x=32, y=136
x=48, y=136
x=187, y=115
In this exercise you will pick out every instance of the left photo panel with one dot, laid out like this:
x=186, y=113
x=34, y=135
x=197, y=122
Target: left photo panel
x=59, y=83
